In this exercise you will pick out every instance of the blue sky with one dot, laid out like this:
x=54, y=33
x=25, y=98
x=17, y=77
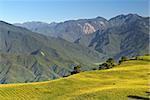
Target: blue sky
x=15, y=11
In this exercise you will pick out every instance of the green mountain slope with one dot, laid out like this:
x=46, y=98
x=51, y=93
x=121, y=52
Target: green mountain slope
x=27, y=56
x=124, y=82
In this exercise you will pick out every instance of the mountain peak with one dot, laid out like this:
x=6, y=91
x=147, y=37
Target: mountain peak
x=122, y=16
x=99, y=17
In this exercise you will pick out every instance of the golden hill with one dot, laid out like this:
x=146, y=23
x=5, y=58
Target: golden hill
x=123, y=82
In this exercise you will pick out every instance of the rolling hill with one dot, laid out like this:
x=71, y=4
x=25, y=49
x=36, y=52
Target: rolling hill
x=27, y=56
x=123, y=82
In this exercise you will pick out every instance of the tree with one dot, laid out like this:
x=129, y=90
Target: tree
x=108, y=64
x=76, y=70
x=147, y=55
x=103, y=66
x=123, y=58
x=94, y=68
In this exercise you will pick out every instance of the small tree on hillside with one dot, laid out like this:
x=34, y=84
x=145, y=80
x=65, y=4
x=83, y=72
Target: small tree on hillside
x=76, y=70
x=147, y=55
x=123, y=58
x=108, y=64
x=103, y=66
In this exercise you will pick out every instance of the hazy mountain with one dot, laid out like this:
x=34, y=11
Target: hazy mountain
x=127, y=35
x=39, y=27
x=69, y=30
x=26, y=56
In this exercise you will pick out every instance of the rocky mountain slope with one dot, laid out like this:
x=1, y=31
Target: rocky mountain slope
x=127, y=35
x=69, y=30
x=123, y=35
x=26, y=56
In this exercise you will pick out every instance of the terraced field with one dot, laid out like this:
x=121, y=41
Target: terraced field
x=127, y=81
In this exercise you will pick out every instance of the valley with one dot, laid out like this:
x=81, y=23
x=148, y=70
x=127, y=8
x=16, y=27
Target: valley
x=28, y=55
x=74, y=50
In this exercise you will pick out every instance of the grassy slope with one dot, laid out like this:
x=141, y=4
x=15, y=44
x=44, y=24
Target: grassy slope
x=129, y=78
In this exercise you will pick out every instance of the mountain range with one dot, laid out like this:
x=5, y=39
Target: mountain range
x=37, y=51
x=27, y=56
x=123, y=35
x=68, y=30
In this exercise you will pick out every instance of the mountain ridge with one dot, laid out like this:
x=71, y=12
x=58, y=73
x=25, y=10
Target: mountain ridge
x=39, y=57
x=63, y=29
x=125, y=34
x=27, y=56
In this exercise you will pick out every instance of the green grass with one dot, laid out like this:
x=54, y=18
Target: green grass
x=144, y=58
x=129, y=78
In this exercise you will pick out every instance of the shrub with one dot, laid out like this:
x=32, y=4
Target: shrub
x=94, y=68
x=76, y=70
x=103, y=66
x=108, y=64
x=147, y=54
x=123, y=58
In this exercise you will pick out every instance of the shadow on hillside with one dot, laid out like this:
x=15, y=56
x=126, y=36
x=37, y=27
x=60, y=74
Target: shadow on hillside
x=148, y=93
x=138, y=97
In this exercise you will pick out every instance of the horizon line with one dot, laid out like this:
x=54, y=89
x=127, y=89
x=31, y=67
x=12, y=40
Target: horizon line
x=74, y=19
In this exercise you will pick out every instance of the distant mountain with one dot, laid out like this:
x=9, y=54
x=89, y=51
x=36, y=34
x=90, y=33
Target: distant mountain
x=68, y=30
x=38, y=57
x=127, y=35
x=123, y=35
x=39, y=27
x=27, y=56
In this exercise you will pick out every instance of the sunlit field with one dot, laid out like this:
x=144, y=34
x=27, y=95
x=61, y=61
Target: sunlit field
x=123, y=82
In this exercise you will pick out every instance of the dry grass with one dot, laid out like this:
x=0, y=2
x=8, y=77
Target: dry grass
x=129, y=78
